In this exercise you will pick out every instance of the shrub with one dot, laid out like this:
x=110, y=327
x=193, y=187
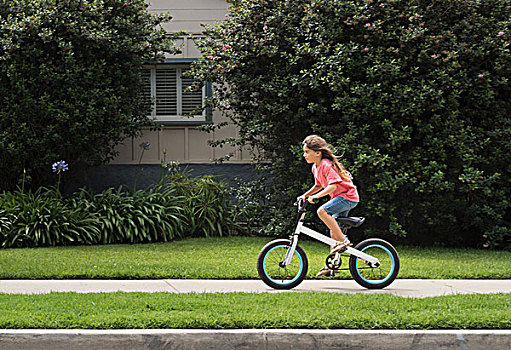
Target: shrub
x=70, y=81
x=206, y=205
x=140, y=217
x=176, y=207
x=415, y=94
x=43, y=218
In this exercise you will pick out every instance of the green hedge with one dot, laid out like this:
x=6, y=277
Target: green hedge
x=70, y=82
x=174, y=208
x=415, y=94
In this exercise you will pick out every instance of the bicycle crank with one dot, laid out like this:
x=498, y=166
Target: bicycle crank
x=333, y=261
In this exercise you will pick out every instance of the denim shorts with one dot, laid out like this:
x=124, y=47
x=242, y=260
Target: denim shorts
x=339, y=207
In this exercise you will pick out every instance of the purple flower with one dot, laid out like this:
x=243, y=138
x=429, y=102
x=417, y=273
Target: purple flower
x=500, y=33
x=60, y=166
x=145, y=145
x=481, y=75
x=368, y=25
x=265, y=27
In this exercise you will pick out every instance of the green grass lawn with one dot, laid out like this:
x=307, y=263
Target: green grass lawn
x=245, y=310
x=227, y=258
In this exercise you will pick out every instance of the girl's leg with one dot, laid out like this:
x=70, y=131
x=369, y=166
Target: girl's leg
x=335, y=233
x=327, y=213
x=336, y=207
x=343, y=214
x=329, y=221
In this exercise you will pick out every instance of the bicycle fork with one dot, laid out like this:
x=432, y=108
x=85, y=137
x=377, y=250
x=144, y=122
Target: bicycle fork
x=294, y=242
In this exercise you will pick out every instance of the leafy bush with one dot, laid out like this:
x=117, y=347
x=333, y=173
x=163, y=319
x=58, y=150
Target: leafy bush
x=256, y=213
x=174, y=208
x=70, y=81
x=141, y=217
x=415, y=94
x=206, y=205
x=43, y=218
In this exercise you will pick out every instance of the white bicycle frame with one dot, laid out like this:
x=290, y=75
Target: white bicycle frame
x=301, y=228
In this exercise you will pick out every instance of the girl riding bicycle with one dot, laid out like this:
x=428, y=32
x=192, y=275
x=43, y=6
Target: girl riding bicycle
x=331, y=178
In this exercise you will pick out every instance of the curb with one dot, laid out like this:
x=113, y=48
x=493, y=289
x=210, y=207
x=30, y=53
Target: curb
x=254, y=339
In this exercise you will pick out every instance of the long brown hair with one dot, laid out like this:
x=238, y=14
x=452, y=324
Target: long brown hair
x=318, y=144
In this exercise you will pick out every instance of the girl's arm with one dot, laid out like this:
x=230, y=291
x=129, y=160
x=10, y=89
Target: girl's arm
x=329, y=189
x=314, y=189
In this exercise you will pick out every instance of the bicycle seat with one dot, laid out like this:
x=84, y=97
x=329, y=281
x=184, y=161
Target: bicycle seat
x=352, y=221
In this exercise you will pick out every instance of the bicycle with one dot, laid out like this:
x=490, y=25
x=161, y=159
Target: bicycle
x=283, y=264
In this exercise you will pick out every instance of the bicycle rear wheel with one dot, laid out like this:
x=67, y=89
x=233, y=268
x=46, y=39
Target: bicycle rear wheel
x=271, y=270
x=375, y=277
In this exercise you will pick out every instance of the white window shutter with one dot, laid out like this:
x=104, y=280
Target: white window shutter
x=191, y=100
x=166, y=91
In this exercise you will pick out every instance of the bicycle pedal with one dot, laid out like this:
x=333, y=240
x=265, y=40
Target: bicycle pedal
x=340, y=251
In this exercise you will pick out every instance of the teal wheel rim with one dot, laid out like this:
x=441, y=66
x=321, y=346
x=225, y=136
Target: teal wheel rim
x=281, y=281
x=393, y=265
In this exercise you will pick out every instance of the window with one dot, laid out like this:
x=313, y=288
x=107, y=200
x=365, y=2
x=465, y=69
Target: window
x=166, y=88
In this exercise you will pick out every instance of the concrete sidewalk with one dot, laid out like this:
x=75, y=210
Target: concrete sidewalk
x=405, y=287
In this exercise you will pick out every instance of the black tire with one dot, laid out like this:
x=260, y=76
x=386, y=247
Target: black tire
x=276, y=276
x=375, y=277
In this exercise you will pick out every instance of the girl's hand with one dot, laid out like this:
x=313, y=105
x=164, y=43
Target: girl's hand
x=302, y=197
x=311, y=199
x=347, y=174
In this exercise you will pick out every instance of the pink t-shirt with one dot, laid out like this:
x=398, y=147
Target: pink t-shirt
x=325, y=175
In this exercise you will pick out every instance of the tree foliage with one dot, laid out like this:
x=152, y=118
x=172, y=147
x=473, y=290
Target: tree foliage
x=414, y=94
x=70, y=83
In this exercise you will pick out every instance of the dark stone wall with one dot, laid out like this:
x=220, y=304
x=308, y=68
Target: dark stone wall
x=107, y=176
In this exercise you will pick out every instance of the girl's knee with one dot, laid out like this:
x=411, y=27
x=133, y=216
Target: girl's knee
x=322, y=212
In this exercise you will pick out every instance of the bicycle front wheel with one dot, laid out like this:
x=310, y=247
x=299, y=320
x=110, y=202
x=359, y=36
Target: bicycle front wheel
x=375, y=277
x=270, y=265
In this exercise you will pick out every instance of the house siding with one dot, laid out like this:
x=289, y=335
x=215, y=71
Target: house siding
x=184, y=143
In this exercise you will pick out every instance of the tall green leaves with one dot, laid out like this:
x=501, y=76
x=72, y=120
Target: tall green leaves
x=206, y=205
x=43, y=219
x=141, y=217
x=175, y=208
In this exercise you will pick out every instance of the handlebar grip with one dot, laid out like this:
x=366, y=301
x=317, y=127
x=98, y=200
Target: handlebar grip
x=300, y=202
x=315, y=201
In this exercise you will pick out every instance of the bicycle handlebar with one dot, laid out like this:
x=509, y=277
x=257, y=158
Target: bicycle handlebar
x=303, y=202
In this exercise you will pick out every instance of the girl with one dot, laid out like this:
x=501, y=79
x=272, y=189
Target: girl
x=331, y=178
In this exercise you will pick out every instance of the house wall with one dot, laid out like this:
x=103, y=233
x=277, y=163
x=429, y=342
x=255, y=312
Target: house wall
x=184, y=143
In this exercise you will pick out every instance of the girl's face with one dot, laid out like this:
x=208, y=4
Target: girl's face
x=311, y=156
